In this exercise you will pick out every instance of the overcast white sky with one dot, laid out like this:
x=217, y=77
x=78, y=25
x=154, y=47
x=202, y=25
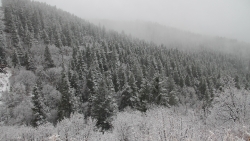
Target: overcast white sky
x=226, y=18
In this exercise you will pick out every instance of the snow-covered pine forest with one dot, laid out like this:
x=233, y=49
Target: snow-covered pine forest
x=72, y=80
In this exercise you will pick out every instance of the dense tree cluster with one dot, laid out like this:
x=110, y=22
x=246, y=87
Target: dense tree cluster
x=82, y=68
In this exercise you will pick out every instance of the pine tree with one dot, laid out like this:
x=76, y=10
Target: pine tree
x=116, y=81
x=8, y=18
x=14, y=35
x=28, y=63
x=69, y=37
x=21, y=30
x=2, y=44
x=104, y=61
x=37, y=110
x=181, y=82
x=138, y=73
x=237, y=82
x=52, y=37
x=176, y=78
x=46, y=37
x=187, y=81
x=58, y=41
x=48, y=62
x=144, y=95
x=155, y=87
x=172, y=92
x=75, y=98
x=163, y=97
x=88, y=56
x=103, y=103
x=133, y=90
x=81, y=66
x=64, y=40
x=93, y=79
x=129, y=93
x=29, y=39
x=15, y=60
x=202, y=88
x=65, y=108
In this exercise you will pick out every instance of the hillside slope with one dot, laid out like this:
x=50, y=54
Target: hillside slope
x=62, y=64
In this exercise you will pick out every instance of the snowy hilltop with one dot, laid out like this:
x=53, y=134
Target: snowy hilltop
x=4, y=81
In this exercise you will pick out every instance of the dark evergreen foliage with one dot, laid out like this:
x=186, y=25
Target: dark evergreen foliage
x=48, y=62
x=66, y=107
x=38, y=112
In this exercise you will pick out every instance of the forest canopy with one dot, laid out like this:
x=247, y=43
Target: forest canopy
x=65, y=68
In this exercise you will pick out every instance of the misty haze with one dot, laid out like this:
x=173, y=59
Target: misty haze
x=124, y=70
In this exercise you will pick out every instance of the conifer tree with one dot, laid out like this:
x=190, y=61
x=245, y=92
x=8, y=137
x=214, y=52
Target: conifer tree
x=65, y=108
x=15, y=60
x=176, y=78
x=37, y=110
x=181, y=82
x=159, y=90
x=93, y=79
x=88, y=56
x=116, y=81
x=28, y=63
x=137, y=73
x=8, y=17
x=48, y=61
x=30, y=39
x=46, y=37
x=103, y=103
x=58, y=41
x=129, y=93
x=133, y=90
x=14, y=35
x=122, y=77
x=2, y=44
x=21, y=31
x=105, y=61
x=144, y=95
x=237, y=82
x=81, y=66
x=187, y=81
x=172, y=92
x=52, y=37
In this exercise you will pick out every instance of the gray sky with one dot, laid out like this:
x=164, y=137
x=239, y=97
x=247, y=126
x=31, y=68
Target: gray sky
x=226, y=18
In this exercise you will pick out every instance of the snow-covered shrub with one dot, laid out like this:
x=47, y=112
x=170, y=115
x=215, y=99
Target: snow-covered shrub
x=76, y=128
x=230, y=107
x=157, y=124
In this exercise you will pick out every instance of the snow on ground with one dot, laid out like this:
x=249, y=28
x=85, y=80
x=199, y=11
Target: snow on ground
x=4, y=81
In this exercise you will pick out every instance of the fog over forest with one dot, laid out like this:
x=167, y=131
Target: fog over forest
x=224, y=18
x=124, y=70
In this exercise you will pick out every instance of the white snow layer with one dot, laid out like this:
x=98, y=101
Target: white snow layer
x=4, y=82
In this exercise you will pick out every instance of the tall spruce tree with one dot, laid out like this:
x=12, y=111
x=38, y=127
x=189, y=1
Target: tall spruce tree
x=37, y=109
x=48, y=62
x=159, y=90
x=129, y=93
x=65, y=108
x=15, y=60
x=2, y=42
x=103, y=103
x=45, y=37
x=144, y=95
